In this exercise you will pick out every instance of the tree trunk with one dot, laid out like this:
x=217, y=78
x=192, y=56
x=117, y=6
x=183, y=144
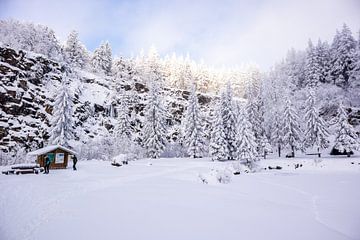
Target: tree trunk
x=279, y=150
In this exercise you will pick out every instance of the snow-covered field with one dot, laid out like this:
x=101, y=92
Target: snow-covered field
x=166, y=200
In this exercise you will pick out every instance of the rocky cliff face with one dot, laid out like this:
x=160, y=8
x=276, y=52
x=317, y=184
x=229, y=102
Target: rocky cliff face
x=28, y=87
x=25, y=103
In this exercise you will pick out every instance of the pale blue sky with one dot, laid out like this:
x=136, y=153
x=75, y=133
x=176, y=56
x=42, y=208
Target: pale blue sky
x=222, y=32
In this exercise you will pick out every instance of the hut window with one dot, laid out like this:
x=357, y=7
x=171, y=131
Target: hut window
x=59, y=158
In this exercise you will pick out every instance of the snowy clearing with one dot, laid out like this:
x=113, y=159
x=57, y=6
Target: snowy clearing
x=166, y=200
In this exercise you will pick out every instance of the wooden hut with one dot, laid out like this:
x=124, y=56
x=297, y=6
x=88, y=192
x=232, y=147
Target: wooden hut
x=58, y=155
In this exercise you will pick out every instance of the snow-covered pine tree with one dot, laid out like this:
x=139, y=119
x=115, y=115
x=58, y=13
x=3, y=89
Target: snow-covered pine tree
x=312, y=67
x=276, y=133
x=218, y=145
x=75, y=52
x=154, y=131
x=295, y=61
x=245, y=142
x=316, y=130
x=346, y=139
x=355, y=72
x=62, y=126
x=291, y=128
x=123, y=127
x=186, y=76
x=229, y=121
x=153, y=66
x=341, y=56
x=122, y=70
x=317, y=65
x=102, y=59
x=202, y=79
x=193, y=133
x=255, y=116
x=264, y=146
x=323, y=53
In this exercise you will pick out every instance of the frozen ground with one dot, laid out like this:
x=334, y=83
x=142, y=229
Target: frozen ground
x=166, y=201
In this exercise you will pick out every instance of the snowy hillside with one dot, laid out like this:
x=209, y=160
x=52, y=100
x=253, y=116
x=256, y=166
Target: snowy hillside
x=28, y=86
x=167, y=200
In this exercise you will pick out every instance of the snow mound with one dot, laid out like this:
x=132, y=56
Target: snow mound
x=124, y=158
x=216, y=176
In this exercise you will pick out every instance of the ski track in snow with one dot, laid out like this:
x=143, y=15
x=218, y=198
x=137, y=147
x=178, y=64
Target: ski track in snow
x=313, y=199
x=50, y=208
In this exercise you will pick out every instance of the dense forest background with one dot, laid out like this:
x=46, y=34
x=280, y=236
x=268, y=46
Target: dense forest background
x=151, y=105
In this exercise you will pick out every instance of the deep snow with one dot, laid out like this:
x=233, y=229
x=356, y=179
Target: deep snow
x=166, y=200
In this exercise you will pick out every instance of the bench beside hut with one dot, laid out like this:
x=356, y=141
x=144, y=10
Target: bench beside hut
x=58, y=155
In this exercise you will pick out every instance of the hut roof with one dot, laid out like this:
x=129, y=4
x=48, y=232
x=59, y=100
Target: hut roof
x=49, y=149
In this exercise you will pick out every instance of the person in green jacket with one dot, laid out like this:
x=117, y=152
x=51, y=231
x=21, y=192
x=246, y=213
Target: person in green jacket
x=47, y=164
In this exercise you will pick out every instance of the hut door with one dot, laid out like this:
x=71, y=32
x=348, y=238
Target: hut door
x=51, y=157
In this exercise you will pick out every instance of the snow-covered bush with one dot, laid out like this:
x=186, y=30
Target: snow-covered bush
x=238, y=168
x=174, y=150
x=16, y=156
x=5, y=158
x=125, y=157
x=216, y=176
x=105, y=148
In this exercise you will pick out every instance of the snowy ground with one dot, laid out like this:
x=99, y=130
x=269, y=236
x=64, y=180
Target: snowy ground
x=166, y=200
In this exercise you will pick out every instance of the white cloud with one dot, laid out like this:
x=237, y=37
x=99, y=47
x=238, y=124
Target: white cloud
x=221, y=32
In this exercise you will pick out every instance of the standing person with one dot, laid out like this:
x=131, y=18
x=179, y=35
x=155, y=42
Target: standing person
x=47, y=165
x=74, y=162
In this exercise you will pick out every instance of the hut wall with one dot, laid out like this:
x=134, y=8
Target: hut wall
x=54, y=165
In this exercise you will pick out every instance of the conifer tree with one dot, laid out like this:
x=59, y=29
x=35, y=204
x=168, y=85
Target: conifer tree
x=75, y=51
x=346, y=139
x=317, y=64
x=323, y=54
x=341, y=56
x=255, y=116
x=102, y=59
x=123, y=127
x=229, y=121
x=264, y=146
x=218, y=145
x=316, y=130
x=62, y=126
x=355, y=72
x=291, y=128
x=194, y=138
x=311, y=67
x=245, y=142
x=277, y=137
x=154, y=135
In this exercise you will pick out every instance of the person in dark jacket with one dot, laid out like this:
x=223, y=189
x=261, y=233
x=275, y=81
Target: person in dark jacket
x=47, y=165
x=74, y=162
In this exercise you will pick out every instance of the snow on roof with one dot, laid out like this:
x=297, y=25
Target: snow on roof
x=49, y=149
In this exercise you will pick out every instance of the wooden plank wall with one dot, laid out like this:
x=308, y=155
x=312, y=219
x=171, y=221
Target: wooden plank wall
x=53, y=165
